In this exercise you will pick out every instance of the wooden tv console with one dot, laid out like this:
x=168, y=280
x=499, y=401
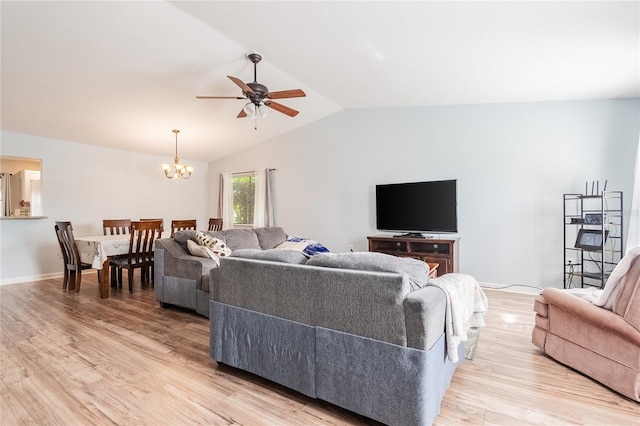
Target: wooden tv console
x=444, y=252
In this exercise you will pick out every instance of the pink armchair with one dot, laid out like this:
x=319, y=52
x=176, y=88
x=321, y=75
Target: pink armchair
x=603, y=344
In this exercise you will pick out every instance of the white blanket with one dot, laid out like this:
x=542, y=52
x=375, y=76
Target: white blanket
x=606, y=297
x=466, y=307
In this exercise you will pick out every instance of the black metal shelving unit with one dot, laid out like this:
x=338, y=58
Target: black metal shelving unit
x=592, y=266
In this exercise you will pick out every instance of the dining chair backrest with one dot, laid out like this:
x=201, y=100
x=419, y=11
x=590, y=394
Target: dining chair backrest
x=215, y=224
x=143, y=236
x=73, y=266
x=144, y=233
x=70, y=253
x=116, y=226
x=161, y=222
x=181, y=225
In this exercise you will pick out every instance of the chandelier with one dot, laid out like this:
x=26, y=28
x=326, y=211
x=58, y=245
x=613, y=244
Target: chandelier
x=177, y=170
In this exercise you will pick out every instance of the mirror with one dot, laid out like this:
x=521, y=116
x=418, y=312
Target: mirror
x=21, y=187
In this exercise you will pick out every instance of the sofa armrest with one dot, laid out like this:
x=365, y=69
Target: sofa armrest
x=424, y=312
x=541, y=306
x=591, y=314
x=181, y=264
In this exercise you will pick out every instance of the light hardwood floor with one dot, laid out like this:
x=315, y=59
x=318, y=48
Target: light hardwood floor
x=74, y=359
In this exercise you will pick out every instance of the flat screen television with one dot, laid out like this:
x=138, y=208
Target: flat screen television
x=417, y=207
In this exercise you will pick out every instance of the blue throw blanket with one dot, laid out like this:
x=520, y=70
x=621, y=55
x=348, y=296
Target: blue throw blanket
x=313, y=247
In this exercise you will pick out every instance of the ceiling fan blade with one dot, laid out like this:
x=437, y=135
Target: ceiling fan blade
x=282, y=94
x=241, y=84
x=219, y=97
x=281, y=108
x=241, y=114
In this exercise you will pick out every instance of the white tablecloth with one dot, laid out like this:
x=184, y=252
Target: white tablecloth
x=96, y=249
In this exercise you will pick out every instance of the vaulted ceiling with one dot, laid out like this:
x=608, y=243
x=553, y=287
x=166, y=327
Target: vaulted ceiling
x=123, y=74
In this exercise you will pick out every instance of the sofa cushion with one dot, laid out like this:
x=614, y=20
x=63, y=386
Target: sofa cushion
x=216, y=234
x=628, y=303
x=270, y=237
x=274, y=255
x=417, y=270
x=628, y=282
x=241, y=239
x=632, y=316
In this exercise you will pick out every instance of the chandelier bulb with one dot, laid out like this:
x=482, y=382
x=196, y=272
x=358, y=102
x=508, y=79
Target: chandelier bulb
x=177, y=170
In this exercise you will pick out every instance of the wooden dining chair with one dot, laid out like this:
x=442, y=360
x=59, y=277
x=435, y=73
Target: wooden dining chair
x=140, y=256
x=73, y=266
x=181, y=225
x=116, y=227
x=215, y=224
x=150, y=271
x=161, y=222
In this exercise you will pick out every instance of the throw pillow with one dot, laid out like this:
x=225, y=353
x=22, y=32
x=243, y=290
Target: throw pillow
x=218, y=247
x=201, y=251
x=270, y=237
x=416, y=270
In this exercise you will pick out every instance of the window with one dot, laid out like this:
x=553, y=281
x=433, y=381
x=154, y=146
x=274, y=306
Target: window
x=246, y=199
x=244, y=194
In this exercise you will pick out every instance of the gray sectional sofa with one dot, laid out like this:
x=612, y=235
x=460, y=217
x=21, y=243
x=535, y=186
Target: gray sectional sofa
x=334, y=329
x=182, y=279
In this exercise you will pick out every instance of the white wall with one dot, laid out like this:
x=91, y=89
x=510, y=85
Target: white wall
x=85, y=184
x=513, y=162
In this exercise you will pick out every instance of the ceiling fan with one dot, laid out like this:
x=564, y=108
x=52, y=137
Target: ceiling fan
x=258, y=94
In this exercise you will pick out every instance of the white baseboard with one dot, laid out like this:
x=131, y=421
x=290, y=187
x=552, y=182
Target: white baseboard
x=514, y=288
x=22, y=280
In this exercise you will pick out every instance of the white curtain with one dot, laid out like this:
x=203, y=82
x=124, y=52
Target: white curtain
x=633, y=238
x=270, y=204
x=5, y=180
x=263, y=208
x=263, y=205
x=225, y=204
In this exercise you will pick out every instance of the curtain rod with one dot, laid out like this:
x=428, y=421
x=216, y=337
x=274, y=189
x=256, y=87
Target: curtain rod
x=250, y=171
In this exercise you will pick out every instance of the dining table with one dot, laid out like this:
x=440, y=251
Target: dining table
x=96, y=250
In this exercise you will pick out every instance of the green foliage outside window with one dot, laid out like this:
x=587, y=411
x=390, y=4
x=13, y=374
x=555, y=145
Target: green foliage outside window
x=243, y=199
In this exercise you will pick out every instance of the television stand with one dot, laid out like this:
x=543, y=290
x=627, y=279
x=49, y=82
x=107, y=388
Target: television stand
x=444, y=252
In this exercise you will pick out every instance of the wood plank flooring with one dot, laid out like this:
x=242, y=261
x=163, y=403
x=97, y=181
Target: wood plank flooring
x=76, y=359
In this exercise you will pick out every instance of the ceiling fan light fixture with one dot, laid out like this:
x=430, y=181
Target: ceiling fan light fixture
x=250, y=110
x=177, y=170
x=264, y=111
